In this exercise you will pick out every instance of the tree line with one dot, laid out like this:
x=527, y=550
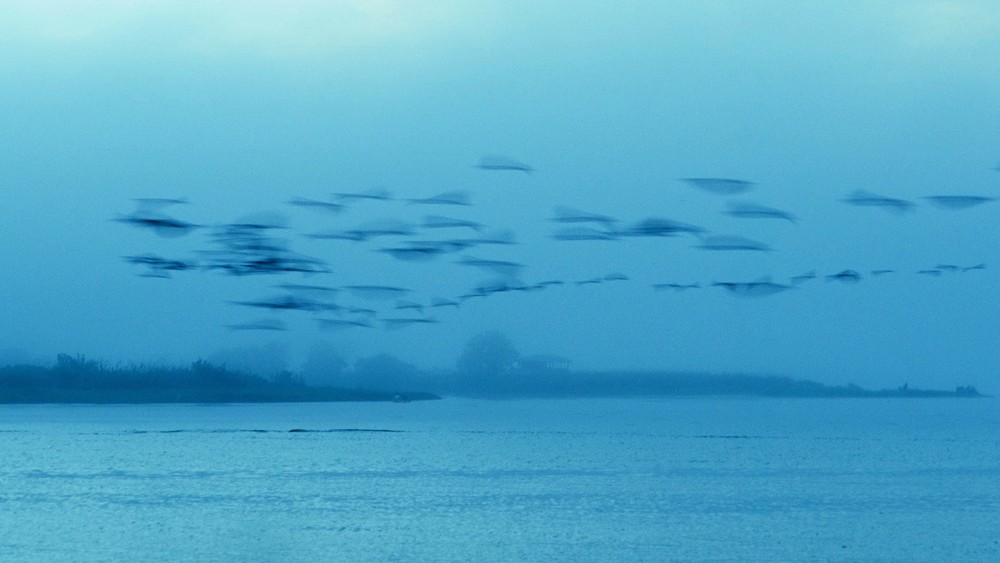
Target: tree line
x=489, y=366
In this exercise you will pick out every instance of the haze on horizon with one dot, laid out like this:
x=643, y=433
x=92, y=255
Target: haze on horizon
x=240, y=108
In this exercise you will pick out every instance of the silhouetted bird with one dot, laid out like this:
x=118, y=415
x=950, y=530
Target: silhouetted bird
x=362, y=311
x=160, y=224
x=403, y=305
x=720, y=186
x=419, y=251
x=958, y=201
x=336, y=324
x=285, y=303
x=563, y=214
x=725, y=242
x=370, y=230
x=306, y=288
x=328, y=206
x=377, y=194
x=863, y=198
x=502, y=268
x=439, y=222
x=583, y=233
x=503, y=285
x=499, y=236
x=158, y=266
x=490, y=162
x=394, y=323
x=241, y=265
x=661, y=227
x=762, y=288
x=676, y=286
x=848, y=276
x=440, y=302
x=460, y=197
x=802, y=278
x=745, y=210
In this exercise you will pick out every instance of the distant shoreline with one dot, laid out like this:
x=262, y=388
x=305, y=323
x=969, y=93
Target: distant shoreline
x=77, y=380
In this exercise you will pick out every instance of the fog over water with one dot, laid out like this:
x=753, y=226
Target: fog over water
x=864, y=139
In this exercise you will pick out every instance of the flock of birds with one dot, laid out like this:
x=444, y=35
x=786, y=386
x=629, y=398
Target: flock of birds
x=257, y=247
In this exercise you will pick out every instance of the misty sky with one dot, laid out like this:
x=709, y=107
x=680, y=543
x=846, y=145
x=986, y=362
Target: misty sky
x=240, y=106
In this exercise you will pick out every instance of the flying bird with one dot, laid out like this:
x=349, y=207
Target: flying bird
x=376, y=292
x=306, y=288
x=583, y=233
x=441, y=302
x=725, y=242
x=846, y=276
x=148, y=203
x=377, y=194
x=402, y=305
x=264, y=324
x=563, y=214
x=337, y=324
x=491, y=162
x=500, y=236
x=802, y=278
x=761, y=288
x=746, y=210
x=370, y=230
x=661, y=227
x=284, y=303
x=327, y=206
x=161, y=224
x=676, y=286
x=720, y=186
x=460, y=197
x=440, y=222
x=158, y=266
x=394, y=323
x=863, y=198
x=958, y=201
x=503, y=268
x=419, y=251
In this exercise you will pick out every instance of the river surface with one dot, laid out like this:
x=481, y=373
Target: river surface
x=533, y=480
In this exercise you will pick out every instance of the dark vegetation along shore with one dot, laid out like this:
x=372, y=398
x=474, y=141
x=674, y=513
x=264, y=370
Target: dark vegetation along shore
x=384, y=378
x=79, y=380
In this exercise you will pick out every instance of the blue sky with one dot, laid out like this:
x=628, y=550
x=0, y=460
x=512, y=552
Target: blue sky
x=239, y=107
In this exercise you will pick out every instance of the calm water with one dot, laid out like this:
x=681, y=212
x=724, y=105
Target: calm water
x=685, y=479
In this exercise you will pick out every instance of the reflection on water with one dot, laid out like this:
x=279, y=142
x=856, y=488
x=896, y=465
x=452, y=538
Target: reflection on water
x=461, y=479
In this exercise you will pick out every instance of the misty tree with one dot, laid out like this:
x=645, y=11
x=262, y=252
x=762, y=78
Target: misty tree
x=385, y=372
x=488, y=354
x=263, y=360
x=73, y=367
x=324, y=365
